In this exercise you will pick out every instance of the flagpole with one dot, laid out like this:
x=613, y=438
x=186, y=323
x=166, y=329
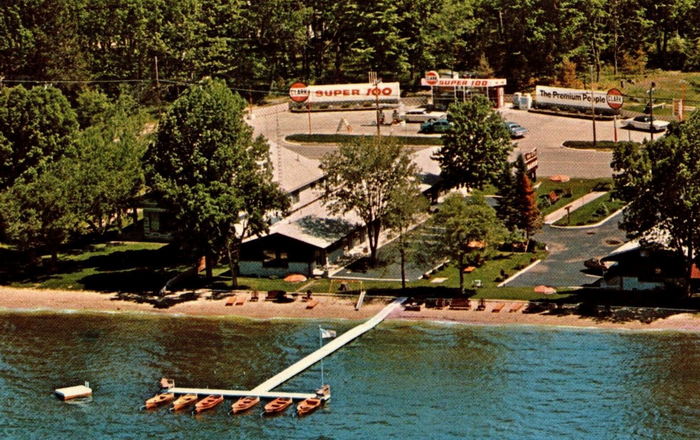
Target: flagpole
x=320, y=344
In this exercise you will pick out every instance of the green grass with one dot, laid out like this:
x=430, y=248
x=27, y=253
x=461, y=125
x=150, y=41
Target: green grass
x=576, y=187
x=345, y=138
x=109, y=267
x=588, y=145
x=489, y=274
x=592, y=212
x=669, y=85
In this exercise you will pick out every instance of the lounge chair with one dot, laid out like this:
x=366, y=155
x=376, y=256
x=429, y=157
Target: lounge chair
x=460, y=304
x=497, y=308
x=310, y=304
x=482, y=305
x=231, y=300
x=516, y=307
x=254, y=296
x=240, y=300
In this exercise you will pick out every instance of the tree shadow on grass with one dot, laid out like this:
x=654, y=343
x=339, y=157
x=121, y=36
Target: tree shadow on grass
x=139, y=280
x=618, y=307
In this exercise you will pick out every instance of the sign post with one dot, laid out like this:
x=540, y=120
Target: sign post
x=615, y=99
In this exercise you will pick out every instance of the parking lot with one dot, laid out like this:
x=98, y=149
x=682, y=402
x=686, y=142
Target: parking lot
x=545, y=132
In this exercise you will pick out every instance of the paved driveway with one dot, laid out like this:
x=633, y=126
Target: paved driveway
x=546, y=133
x=569, y=248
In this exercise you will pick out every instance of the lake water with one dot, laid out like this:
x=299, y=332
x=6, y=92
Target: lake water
x=403, y=380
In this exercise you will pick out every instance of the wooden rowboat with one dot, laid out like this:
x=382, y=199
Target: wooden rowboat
x=308, y=405
x=244, y=404
x=312, y=403
x=278, y=405
x=159, y=399
x=208, y=402
x=183, y=402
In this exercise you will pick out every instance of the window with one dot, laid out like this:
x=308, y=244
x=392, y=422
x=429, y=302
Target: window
x=275, y=258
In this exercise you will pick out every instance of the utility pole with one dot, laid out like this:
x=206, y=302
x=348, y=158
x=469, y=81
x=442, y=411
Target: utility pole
x=593, y=108
x=375, y=81
x=651, y=111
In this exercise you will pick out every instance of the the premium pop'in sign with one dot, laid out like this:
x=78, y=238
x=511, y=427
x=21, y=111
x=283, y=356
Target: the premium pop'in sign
x=559, y=96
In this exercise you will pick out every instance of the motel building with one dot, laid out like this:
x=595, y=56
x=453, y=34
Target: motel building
x=447, y=89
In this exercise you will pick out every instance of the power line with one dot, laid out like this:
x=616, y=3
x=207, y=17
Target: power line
x=116, y=81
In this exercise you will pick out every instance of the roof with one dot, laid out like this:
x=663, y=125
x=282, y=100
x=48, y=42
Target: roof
x=316, y=231
x=292, y=170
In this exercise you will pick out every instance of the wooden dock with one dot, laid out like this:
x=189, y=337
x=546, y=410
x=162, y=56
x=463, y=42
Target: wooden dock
x=328, y=349
x=234, y=394
x=263, y=390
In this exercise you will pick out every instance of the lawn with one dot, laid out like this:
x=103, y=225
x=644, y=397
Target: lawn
x=107, y=267
x=569, y=191
x=669, y=85
x=489, y=274
x=592, y=212
x=345, y=138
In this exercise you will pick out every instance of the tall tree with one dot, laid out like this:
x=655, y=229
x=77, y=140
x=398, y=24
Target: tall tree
x=109, y=163
x=366, y=176
x=476, y=148
x=37, y=127
x=41, y=211
x=409, y=207
x=465, y=228
x=659, y=180
x=212, y=174
x=517, y=206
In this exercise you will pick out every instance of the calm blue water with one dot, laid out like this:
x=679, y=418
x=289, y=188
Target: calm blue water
x=403, y=380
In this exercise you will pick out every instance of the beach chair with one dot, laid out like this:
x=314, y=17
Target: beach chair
x=516, y=307
x=273, y=295
x=497, y=308
x=231, y=300
x=460, y=304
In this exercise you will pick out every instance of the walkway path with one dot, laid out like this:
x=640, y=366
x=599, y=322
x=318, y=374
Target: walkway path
x=561, y=212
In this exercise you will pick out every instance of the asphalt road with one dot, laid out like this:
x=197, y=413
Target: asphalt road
x=546, y=133
x=568, y=249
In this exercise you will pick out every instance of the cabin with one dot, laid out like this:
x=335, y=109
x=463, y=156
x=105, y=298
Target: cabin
x=637, y=268
x=308, y=245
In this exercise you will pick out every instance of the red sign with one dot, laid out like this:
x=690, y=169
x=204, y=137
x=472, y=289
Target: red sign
x=298, y=92
x=614, y=99
x=432, y=78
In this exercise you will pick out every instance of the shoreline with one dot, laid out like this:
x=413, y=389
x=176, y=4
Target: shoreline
x=25, y=300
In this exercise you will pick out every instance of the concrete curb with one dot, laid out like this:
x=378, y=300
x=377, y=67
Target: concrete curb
x=520, y=272
x=561, y=212
x=592, y=225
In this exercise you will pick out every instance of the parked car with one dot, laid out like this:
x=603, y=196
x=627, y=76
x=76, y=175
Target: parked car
x=515, y=130
x=435, y=126
x=644, y=122
x=421, y=115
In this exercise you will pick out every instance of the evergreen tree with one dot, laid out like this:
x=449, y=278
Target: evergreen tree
x=517, y=206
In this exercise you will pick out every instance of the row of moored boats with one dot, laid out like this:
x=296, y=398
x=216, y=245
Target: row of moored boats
x=243, y=404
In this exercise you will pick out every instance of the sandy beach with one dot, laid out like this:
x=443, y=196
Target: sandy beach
x=333, y=307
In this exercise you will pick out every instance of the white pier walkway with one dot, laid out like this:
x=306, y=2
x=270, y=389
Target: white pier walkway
x=263, y=390
x=329, y=348
x=234, y=394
